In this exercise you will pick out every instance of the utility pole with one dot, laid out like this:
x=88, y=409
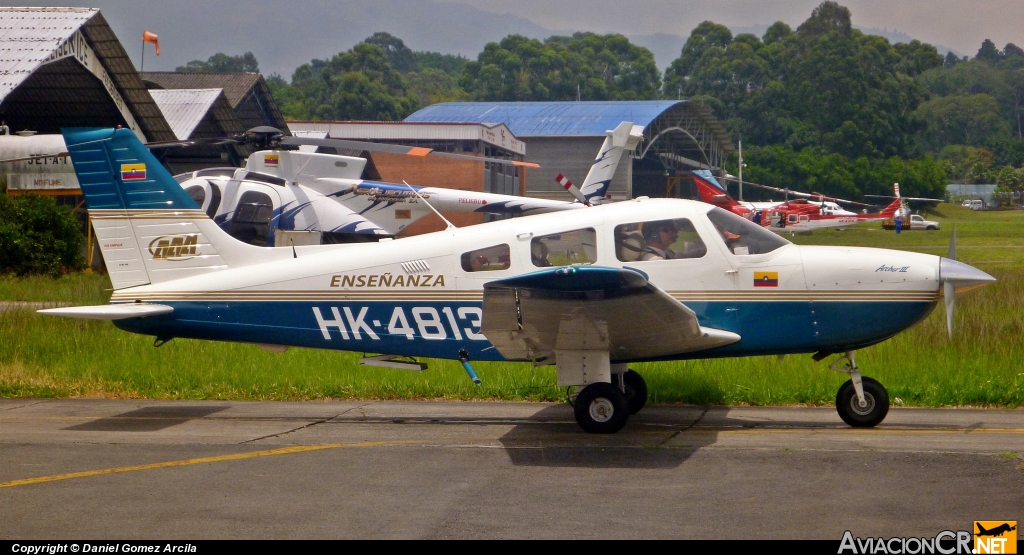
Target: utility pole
x=741, y=168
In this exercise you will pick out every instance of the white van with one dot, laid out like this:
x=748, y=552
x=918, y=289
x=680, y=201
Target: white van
x=975, y=204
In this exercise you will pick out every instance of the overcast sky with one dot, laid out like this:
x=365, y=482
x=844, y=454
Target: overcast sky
x=958, y=24
x=284, y=35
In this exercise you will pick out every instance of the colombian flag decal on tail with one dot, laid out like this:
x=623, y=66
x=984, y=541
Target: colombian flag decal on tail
x=766, y=279
x=133, y=172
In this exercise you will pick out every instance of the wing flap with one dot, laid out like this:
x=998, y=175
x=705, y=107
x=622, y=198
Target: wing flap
x=109, y=311
x=526, y=317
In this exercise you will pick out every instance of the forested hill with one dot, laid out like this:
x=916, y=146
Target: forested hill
x=822, y=107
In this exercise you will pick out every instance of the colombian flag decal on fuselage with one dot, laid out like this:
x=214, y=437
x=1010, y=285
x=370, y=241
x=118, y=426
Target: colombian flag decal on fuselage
x=271, y=160
x=133, y=172
x=766, y=279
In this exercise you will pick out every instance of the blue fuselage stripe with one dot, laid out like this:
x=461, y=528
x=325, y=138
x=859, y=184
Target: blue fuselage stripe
x=440, y=329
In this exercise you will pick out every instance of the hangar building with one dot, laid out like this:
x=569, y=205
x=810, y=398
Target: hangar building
x=564, y=137
x=247, y=93
x=64, y=67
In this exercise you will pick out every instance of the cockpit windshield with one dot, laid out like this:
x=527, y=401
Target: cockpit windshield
x=743, y=236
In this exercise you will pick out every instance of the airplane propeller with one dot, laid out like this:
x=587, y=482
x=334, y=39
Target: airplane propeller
x=948, y=289
x=958, y=278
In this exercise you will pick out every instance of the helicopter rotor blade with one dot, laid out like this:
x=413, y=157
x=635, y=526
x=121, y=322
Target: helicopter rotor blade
x=395, y=149
x=36, y=157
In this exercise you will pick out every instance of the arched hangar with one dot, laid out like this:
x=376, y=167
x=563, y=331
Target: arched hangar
x=564, y=137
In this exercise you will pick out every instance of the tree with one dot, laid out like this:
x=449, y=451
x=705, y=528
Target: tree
x=961, y=120
x=828, y=17
x=222, y=63
x=704, y=37
x=825, y=85
x=584, y=66
x=988, y=52
x=38, y=237
x=359, y=84
x=399, y=55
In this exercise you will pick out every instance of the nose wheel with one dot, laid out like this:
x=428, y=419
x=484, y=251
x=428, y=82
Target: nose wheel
x=861, y=402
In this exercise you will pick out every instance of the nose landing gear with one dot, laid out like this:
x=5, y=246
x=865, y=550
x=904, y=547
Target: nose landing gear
x=860, y=402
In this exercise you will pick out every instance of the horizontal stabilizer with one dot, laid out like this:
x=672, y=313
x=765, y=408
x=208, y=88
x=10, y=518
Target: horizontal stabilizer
x=109, y=311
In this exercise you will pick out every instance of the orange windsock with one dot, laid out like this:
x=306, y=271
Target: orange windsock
x=151, y=37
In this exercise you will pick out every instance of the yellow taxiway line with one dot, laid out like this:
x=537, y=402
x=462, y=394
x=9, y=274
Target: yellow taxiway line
x=187, y=462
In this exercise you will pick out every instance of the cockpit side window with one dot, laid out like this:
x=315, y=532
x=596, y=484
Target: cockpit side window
x=658, y=240
x=562, y=249
x=489, y=259
x=742, y=236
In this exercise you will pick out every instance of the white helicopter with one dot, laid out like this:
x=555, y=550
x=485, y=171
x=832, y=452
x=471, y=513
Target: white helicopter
x=563, y=288
x=322, y=198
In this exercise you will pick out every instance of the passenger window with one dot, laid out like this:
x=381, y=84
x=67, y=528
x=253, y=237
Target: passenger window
x=197, y=193
x=658, y=240
x=490, y=259
x=251, y=221
x=563, y=249
x=742, y=236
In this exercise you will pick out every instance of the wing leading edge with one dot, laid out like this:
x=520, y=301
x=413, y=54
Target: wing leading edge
x=593, y=308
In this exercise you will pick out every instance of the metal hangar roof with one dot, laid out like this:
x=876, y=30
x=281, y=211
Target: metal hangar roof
x=247, y=93
x=64, y=67
x=186, y=109
x=680, y=133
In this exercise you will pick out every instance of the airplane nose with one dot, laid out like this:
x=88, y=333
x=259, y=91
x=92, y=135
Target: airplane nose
x=963, y=277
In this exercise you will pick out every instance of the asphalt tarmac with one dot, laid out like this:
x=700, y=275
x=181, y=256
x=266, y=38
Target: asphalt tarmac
x=135, y=469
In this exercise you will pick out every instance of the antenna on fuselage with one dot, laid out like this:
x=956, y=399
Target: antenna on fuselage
x=417, y=193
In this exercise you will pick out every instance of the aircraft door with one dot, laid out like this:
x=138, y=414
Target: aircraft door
x=679, y=256
x=769, y=303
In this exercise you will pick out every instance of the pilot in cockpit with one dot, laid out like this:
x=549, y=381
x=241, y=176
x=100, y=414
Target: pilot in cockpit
x=659, y=236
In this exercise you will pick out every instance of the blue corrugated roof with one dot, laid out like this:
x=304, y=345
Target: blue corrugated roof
x=548, y=118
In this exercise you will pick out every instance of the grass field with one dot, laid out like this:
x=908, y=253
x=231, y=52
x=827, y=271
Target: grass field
x=57, y=357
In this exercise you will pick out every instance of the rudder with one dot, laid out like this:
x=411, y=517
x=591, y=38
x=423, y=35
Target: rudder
x=148, y=229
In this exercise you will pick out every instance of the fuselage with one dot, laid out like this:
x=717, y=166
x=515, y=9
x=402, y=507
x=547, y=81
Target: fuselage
x=422, y=296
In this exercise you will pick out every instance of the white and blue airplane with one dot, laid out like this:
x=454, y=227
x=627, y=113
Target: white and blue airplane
x=588, y=290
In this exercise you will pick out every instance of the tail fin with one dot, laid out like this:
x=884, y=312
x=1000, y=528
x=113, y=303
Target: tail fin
x=624, y=137
x=148, y=229
x=711, y=191
x=894, y=206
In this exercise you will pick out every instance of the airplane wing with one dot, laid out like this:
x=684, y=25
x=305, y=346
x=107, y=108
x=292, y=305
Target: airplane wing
x=110, y=311
x=533, y=315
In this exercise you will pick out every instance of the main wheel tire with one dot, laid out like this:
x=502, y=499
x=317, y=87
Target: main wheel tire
x=635, y=390
x=601, y=408
x=852, y=413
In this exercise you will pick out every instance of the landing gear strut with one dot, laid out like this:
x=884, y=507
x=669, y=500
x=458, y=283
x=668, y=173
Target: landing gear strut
x=635, y=388
x=860, y=402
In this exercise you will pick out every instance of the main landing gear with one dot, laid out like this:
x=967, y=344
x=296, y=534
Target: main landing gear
x=603, y=408
x=861, y=402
